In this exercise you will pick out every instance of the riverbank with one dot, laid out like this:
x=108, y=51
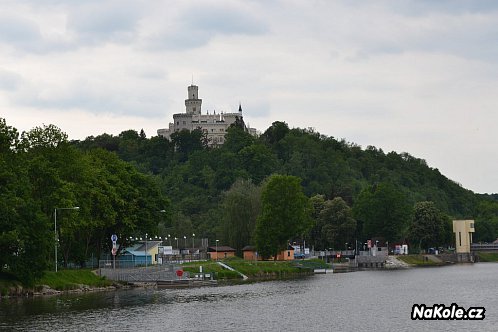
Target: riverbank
x=256, y=270
x=486, y=257
x=85, y=280
x=52, y=283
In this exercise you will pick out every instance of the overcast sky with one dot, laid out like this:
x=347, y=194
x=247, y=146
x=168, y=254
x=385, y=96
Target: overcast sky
x=409, y=76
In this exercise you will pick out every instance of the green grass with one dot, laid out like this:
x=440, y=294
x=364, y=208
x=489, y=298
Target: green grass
x=7, y=281
x=487, y=256
x=418, y=260
x=71, y=279
x=253, y=269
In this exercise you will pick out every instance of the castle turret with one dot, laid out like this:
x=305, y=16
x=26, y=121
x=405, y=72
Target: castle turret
x=193, y=103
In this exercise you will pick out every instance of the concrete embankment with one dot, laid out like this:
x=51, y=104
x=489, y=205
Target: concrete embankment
x=392, y=262
x=244, y=277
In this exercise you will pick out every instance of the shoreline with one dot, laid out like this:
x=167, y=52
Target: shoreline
x=18, y=291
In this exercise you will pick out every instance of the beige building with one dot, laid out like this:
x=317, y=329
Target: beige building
x=214, y=125
x=463, y=230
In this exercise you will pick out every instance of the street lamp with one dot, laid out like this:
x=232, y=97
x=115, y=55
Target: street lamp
x=55, y=229
x=185, y=238
x=217, y=249
x=169, y=238
x=145, y=250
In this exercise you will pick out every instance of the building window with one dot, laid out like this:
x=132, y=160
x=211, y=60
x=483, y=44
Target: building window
x=288, y=253
x=194, y=109
x=460, y=238
x=184, y=123
x=177, y=123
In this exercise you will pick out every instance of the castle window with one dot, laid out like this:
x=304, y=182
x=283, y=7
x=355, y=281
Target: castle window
x=177, y=123
x=184, y=123
x=194, y=109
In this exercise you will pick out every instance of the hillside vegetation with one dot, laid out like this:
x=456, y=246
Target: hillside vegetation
x=123, y=184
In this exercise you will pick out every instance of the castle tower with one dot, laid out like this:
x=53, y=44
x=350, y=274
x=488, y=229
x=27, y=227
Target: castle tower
x=193, y=103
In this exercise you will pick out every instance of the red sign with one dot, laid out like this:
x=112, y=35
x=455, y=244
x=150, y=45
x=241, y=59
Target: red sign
x=179, y=273
x=114, y=251
x=369, y=243
x=338, y=255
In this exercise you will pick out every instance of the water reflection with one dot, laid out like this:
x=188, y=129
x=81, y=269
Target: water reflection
x=354, y=301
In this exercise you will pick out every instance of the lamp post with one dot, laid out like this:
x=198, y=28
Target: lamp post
x=185, y=238
x=217, y=249
x=55, y=229
x=145, y=250
x=193, y=237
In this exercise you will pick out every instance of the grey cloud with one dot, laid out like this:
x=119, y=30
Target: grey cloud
x=88, y=23
x=18, y=31
x=464, y=34
x=224, y=20
x=9, y=81
x=196, y=26
x=96, y=23
x=94, y=100
x=424, y=7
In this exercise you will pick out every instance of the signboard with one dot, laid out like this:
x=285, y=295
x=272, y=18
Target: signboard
x=114, y=251
x=338, y=255
x=179, y=273
x=369, y=242
x=114, y=237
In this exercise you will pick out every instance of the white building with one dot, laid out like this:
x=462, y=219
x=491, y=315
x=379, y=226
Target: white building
x=214, y=125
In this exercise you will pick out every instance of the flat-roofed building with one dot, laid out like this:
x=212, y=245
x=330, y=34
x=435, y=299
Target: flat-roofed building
x=463, y=230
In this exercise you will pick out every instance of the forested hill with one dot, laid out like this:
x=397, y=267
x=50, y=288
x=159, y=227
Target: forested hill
x=195, y=177
x=74, y=195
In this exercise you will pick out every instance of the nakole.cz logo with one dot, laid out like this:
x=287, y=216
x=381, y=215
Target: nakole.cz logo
x=442, y=312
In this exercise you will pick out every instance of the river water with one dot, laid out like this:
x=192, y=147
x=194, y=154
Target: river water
x=359, y=301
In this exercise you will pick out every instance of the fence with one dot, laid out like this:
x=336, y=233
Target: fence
x=143, y=274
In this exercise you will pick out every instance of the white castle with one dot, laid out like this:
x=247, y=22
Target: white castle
x=213, y=125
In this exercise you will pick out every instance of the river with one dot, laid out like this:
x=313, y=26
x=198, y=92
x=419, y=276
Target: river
x=359, y=301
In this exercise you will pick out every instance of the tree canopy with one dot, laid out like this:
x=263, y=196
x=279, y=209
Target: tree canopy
x=120, y=182
x=285, y=213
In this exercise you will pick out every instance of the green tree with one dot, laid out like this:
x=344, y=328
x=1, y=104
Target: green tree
x=336, y=223
x=275, y=133
x=285, y=214
x=241, y=206
x=429, y=226
x=384, y=210
x=236, y=139
x=187, y=142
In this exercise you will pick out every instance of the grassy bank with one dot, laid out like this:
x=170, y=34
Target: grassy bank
x=71, y=279
x=487, y=256
x=418, y=260
x=61, y=281
x=256, y=269
x=7, y=282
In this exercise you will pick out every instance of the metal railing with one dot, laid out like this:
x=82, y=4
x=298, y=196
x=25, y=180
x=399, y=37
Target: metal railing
x=142, y=274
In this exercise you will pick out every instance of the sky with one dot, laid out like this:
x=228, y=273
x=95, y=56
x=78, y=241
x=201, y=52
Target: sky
x=406, y=76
